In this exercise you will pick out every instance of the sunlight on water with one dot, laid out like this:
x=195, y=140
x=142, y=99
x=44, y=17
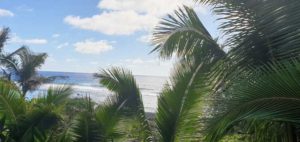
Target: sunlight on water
x=84, y=84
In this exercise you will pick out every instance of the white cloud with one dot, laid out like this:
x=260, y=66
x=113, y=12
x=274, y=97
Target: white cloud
x=93, y=47
x=56, y=35
x=151, y=7
x=125, y=17
x=19, y=40
x=114, y=23
x=63, y=45
x=6, y=13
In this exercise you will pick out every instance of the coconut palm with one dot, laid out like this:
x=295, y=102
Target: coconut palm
x=24, y=65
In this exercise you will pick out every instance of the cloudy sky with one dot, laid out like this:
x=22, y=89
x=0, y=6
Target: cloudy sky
x=86, y=35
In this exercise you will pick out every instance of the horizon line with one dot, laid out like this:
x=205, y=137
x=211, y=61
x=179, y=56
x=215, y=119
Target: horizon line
x=96, y=72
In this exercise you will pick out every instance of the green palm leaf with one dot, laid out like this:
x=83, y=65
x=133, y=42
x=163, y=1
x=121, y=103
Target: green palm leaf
x=108, y=117
x=34, y=125
x=185, y=35
x=180, y=102
x=259, y=31
x=128, y=95
x=11, y=103
x=267, y=93
x=55, y=96
x=41, y=118
x=85, y=127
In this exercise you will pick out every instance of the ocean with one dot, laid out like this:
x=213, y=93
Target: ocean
x=85, y=84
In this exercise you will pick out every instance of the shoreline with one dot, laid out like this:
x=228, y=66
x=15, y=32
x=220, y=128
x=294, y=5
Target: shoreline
x=99, y=95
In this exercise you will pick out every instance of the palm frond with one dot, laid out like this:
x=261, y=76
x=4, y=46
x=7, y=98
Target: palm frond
x=65, y=132
x=259, y=31
x=85, y=127
x=3, y=37
x=269, y=93
x=11, y=103
x=184, y=35
x=108, y=117
x=179, y=105
x=55, y=99
x=123, y=84
x=34, y=125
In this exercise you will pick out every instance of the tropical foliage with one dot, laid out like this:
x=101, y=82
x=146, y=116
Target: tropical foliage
x=249, y=91
x=49, y=117
x=21, y=66
x=246, y=89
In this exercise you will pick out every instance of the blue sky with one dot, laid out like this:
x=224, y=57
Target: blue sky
x=86, y=35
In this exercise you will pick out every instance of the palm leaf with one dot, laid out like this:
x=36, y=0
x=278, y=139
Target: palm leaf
x=180, y=103
x=3, y=37
x=85, y=128
x=267, y=93
x=11, y=103
x=55, y=96
x=34, y=125
x=108, y=117
x=183, y=34
x=123, y=84
x=259, y=31
x=178, y=112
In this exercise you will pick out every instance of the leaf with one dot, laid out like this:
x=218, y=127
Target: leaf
x=128, y=96
x=184, y=35
x=11, y=103
x=268, y=93
x=178, y=112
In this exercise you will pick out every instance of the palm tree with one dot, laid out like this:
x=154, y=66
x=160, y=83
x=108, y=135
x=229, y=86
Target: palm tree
x=23, y=66
x=262, y=38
